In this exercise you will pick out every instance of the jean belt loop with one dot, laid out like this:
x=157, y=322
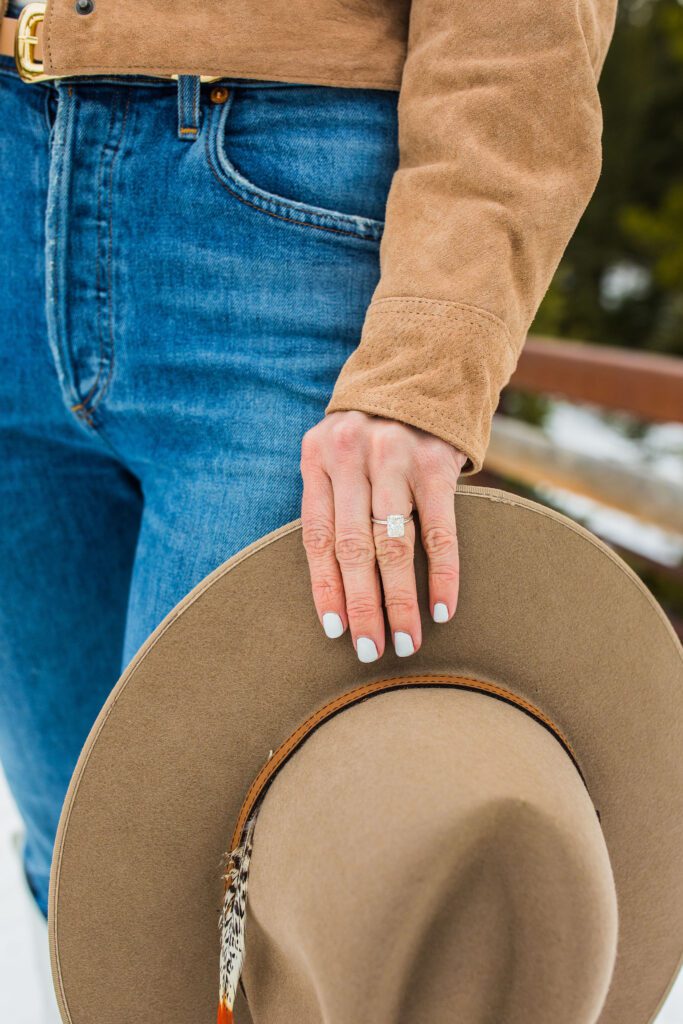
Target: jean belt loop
x=188, y=106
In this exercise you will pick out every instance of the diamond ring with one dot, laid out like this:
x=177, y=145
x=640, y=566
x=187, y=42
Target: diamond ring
x=395, y=524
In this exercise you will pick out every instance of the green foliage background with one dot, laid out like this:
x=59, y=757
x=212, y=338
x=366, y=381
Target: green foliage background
x=621, y=279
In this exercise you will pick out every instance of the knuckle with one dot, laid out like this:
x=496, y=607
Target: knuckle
x=354, y=549
x=445, y=574
x=310, y=447
x=346, y=437
x=324, y=589
x=438, y=467
x=439, y=540
x=400, y=603
x=361, y=607
x=395, y=552
x=431, y=458
x=317, y=536
x=387, y=440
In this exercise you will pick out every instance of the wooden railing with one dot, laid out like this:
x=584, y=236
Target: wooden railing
x=643, y=383
x=646, y=385
x=526, y=454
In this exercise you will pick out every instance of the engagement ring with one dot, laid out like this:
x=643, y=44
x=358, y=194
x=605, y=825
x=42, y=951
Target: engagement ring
x=395, y=524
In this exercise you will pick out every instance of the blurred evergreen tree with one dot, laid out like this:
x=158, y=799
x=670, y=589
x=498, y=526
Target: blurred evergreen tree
x=621, y=279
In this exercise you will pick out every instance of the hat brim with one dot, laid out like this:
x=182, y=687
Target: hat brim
x=545, y=610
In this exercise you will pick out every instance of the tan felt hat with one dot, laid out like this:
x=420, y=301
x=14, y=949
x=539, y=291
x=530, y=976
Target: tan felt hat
x=487, y=832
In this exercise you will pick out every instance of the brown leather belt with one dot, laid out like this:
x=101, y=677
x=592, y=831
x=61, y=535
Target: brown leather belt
x=22, y=38
x=8, y=30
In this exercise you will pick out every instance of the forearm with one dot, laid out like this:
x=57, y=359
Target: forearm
x=500, y=128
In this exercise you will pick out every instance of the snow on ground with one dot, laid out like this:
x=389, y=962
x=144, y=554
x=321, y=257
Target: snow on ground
x=24, y=964
x=660, y=450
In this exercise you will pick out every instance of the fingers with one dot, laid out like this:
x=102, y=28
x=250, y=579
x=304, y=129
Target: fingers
x=355, y=552
x=317, y=518
x=356, y=466
x=434, y=498
x=395, y=558
x=337, y=536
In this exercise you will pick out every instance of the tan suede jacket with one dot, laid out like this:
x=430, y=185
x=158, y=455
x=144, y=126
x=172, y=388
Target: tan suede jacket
x=500, y=135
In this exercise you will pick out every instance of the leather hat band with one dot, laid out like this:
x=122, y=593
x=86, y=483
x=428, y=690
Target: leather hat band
x=280, y=756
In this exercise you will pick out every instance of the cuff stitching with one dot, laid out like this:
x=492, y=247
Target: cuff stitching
x=479, y=329
x=445, y=306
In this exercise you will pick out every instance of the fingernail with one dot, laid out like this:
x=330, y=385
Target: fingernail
x=403, y=644
x=332, y=624
x=440, y=613
x=365, y=649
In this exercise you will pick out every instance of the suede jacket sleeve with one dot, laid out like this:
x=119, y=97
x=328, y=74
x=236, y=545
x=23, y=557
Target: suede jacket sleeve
x=500, y=139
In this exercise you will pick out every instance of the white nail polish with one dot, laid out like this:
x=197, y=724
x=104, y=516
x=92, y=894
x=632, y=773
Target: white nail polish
x=365, y=649
x=332, y=624
x=403, y=644
x=440, y=613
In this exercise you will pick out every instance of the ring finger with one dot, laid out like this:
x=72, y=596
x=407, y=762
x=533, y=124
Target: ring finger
x=396, y=560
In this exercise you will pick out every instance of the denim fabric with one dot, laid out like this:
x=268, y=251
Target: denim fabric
x=173, y=316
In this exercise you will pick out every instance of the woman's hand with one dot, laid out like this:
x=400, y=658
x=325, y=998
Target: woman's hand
x=355, y=466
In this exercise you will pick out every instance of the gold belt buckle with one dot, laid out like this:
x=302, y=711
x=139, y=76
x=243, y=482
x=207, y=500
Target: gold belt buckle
x=30, y=16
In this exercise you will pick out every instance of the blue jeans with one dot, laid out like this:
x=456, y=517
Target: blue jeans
x=182, y=276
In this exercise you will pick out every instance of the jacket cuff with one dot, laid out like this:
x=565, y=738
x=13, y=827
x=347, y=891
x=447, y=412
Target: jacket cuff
x=432, y=364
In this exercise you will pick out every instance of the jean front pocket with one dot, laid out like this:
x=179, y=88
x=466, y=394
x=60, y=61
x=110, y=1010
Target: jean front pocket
x=311, y=156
